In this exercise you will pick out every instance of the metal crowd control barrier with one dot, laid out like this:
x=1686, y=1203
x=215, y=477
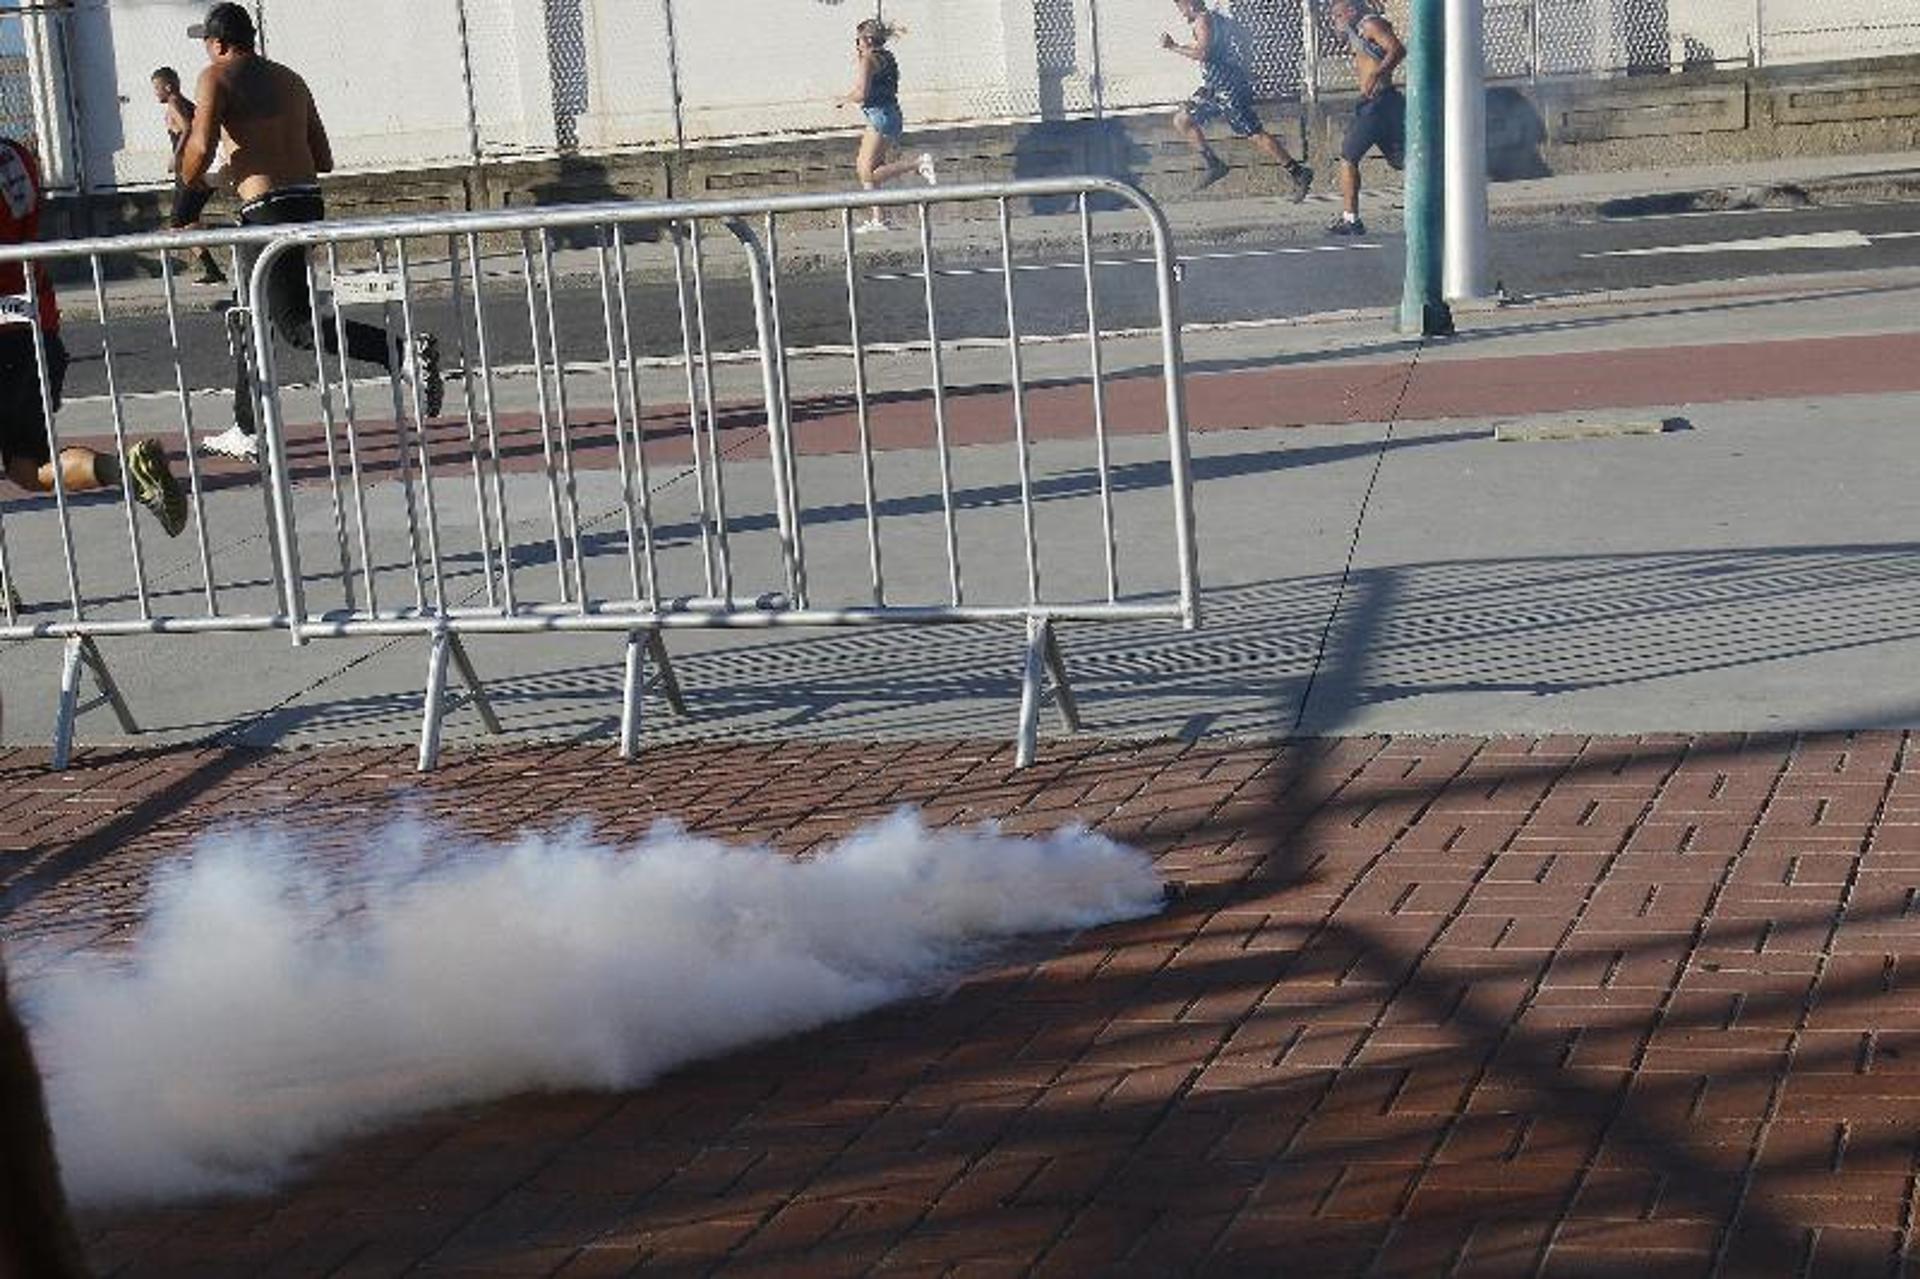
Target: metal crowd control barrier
x=81, y=591
x=662, y=506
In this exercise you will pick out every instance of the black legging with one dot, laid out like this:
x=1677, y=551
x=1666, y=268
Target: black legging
x=289, y=307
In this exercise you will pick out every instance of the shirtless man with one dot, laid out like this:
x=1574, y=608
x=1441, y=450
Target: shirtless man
x=188, y=202
x=1380, y=118
x=277, y=149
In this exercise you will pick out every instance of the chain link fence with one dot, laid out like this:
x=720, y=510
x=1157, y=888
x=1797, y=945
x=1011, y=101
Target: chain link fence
x=438, y=82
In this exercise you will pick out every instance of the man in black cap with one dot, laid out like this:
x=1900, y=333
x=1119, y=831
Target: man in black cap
x=277, y=149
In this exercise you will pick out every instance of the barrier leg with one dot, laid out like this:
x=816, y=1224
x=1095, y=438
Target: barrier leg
x=80, y=651
x=669, y=682
x=630, y=693
x=478, y=691
x=1038, y=630
x=435, y=709
x=1062, y=687
x=90, y=656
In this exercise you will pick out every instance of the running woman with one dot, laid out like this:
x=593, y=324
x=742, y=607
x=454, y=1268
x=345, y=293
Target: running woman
x=877, y=93
x=24, y=445
x=1380, y=117
x=277, y=149
x=1225, y=93
x=189, y=202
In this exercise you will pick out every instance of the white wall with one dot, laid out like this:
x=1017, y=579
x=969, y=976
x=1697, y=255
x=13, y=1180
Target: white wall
x=768, y=67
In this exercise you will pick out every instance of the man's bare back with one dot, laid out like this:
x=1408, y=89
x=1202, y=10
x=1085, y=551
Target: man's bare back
x=266, y=116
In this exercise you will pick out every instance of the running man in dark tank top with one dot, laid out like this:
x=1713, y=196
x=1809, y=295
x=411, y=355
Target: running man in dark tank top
x=1380, y=117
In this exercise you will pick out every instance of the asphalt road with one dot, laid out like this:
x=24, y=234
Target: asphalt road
x=1222, y=285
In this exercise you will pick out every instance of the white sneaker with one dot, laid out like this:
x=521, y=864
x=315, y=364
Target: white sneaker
x=232, y=442
x=871, y=225
x=927, y=170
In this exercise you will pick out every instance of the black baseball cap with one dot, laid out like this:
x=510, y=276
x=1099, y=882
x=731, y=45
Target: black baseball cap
x=230, y=23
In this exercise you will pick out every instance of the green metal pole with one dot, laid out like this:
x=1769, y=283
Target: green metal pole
x=1423, y=308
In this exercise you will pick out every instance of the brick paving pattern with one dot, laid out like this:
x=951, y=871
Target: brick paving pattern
x=1527, y=1006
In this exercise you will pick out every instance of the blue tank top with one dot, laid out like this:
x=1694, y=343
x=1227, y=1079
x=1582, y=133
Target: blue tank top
x=883, y=84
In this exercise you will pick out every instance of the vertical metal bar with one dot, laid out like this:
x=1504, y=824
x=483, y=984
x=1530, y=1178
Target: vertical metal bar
x=194, y=487
x=714, y=479
x=31, y=273
x=1173, y=377
x=861, y=412
x=327, y=429
x=639, y=431
x=1309, y=51
x=693, y=413
x=353, y=440
x=1103, y=454
x=464, y=35
x=408, y=335
x=546, y=420
x=457, y=283
x=433, y=709
x=956, y=594
x=630, y=695
x=399, y=432
x=9, y=594
x=777, y=415
x=572, y=508
x=790, y=456
x=1018, y=375
x=270, y=428
x=673, y=75
x=1533, y=41
x=1097, y=77
x=69, y=709
x=619, y=413
x=493, y=424
x=118, y=411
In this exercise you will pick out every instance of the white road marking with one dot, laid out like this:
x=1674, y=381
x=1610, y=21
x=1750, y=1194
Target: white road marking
x=1765, y=244
x=1897, y=235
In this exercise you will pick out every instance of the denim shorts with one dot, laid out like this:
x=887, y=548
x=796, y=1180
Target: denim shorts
x=885, y=120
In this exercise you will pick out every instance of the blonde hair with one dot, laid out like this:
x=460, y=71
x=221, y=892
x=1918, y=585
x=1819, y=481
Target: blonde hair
x=879, y=32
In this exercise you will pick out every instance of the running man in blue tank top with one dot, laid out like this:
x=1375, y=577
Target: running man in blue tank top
x=1380, y=117
x=1225, y=93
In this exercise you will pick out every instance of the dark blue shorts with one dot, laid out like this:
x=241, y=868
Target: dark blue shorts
x=1231, y=102
x=1379, y=121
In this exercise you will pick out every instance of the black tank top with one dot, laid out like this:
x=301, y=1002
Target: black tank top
x=883, y=84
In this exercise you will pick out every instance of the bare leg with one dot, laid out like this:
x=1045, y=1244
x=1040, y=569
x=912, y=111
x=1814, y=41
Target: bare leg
x=1184, y=125
x=1274, y=150
x=1350, y=187
x=873, y=155
x=79, y=471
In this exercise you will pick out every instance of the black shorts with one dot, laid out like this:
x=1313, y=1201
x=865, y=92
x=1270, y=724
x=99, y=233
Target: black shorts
x=23, y=419
x=1379, y=121
x=188, y=204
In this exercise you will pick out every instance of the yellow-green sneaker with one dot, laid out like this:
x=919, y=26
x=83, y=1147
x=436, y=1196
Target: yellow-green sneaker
x=154, y=487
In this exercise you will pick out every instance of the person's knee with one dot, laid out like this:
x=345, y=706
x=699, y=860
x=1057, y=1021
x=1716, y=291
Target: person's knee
x=29, y=473
x=1183, y=119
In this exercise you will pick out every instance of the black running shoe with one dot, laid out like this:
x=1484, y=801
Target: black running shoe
x=154, y=487
x=1215, y=170
x=1341, y=226
x=422, y=366
x=1299, y=182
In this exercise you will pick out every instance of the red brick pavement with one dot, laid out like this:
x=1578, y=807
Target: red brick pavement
x=1560, y=1006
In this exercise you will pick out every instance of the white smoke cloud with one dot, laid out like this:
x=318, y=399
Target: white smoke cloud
x=272, y=1006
